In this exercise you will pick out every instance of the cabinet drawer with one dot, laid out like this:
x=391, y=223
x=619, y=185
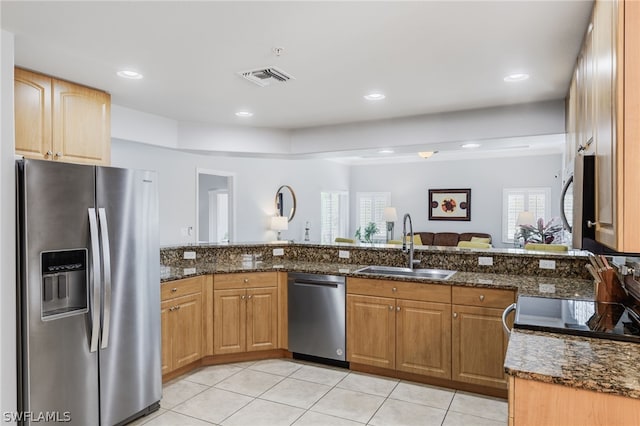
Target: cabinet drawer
x=487, y=297
x=183, y=287
x=399, y=289
x=245, y=280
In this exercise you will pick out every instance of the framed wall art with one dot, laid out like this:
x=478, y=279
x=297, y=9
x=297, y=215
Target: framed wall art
x=450, y=204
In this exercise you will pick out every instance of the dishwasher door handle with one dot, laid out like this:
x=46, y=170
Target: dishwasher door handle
x=307, y=283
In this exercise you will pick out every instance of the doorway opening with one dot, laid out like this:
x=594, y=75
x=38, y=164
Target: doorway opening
x=214, y=206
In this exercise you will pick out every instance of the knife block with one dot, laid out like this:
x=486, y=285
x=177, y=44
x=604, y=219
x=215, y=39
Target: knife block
x=609, y=289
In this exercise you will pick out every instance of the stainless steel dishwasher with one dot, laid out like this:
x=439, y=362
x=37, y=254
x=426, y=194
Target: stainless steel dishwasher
x=317, y=315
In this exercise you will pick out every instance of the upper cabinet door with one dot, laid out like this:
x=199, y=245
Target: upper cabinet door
x=32, y=99
x=81, y=124
x=604, y=59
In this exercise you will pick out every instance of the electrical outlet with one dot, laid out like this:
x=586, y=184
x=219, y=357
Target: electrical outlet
x=189, y=271
x=485, y=261
x=547, y=264
x=189, y=255
x=547, y=288
x=278, y=252
x=343, y=254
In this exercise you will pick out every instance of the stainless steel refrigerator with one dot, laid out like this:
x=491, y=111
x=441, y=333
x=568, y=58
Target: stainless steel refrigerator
x=89, y=293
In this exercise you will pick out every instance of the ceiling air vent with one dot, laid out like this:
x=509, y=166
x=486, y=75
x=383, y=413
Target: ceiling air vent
x=265, y=76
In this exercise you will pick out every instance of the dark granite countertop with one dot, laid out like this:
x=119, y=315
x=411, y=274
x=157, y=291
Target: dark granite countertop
x=599, y=365
x=533, y=286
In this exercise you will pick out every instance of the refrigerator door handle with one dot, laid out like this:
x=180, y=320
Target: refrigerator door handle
x=95, y=261
x=106, y=257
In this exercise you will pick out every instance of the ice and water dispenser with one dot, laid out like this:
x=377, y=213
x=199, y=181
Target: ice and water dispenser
x=64, y=283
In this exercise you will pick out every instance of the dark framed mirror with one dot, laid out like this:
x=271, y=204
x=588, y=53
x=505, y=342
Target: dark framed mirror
x=286, y=202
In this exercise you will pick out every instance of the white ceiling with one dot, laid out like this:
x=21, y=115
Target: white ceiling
x=425, y=56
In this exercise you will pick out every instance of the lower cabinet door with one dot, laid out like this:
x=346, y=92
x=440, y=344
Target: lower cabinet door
x=479, y=346
x=423, y=338
x=187, y=340
x=167, y=333
x=262, y=319
x=371, y=330
x=229, y=321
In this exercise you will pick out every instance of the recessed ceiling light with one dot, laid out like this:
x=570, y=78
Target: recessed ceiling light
x=374, y=97
x=516, y=77
x=386, y=151
x=130, y=74
x=471, y=145
x=244, y=114
x=426, y=154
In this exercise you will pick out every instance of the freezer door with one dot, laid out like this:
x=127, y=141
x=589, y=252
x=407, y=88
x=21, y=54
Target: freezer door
x=58, y=372
x=130, y=354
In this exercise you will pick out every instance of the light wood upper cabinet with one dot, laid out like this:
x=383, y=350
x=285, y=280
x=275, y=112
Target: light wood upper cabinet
x=245, y=310
x=32, y=99
x=607, y=107
x=61, y=121
x=182, y=320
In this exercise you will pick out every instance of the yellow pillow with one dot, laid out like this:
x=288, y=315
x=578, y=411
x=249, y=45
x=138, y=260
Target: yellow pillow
x=545, y=247
x=417, y=241
x=345, y=240
x=480, y=240
x=473, y=244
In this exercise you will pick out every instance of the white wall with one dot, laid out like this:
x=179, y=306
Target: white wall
x=7, y=230
x=256, y=183
x=409, y=184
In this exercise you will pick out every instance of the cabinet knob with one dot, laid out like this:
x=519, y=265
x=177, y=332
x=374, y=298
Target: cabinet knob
x=246, y=280
x=242, y=297
x=173, y=290
x=398, y=308
x=390, y=308
x=58, y=154
x=455, y=315
x=178, y=307
x=48, y=154
x=249, y=297
x=394, y=289
x=173, y=308
x=481, y=297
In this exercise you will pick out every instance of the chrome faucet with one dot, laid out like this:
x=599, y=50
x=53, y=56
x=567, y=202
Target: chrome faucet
x=412, y=262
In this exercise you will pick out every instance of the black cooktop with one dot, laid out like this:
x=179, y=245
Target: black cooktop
x=578, y=317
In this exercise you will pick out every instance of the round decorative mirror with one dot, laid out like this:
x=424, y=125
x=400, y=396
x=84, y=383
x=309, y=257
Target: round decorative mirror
x=286, y=202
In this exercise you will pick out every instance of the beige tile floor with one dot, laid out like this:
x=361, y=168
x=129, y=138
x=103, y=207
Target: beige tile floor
x=288, y=392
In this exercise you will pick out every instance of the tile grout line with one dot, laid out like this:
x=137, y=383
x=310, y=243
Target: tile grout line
x=383, y=402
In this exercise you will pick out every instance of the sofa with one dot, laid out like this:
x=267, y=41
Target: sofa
x=450, y=239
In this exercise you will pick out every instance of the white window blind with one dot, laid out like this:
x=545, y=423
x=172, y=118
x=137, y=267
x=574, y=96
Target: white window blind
x=370, y=208
x=516, y=200
x=334, y=215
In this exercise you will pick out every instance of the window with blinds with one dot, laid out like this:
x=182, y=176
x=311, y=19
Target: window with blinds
x=516, y=200
x=370, y=208
x=334, y=215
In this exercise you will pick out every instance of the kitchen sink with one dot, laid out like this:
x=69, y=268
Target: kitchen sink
x=433, y=274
